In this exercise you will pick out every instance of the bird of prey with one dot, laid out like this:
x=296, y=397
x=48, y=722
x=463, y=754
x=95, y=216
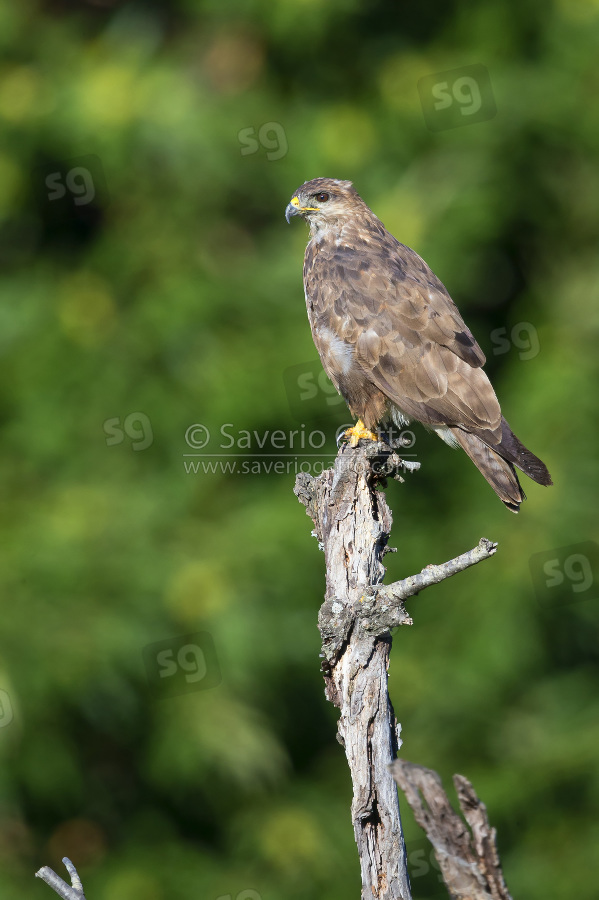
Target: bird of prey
x=393, y=342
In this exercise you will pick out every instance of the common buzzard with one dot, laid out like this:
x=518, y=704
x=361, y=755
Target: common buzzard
x=393, y=342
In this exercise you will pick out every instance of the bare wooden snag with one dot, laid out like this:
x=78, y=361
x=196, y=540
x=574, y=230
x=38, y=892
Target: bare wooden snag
x=352, y=525
x=74, y=892
x=468, y=860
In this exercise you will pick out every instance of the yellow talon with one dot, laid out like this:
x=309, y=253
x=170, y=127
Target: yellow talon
x=359, y=432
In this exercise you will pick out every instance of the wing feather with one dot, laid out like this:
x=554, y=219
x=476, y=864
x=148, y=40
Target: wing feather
x=406, y=334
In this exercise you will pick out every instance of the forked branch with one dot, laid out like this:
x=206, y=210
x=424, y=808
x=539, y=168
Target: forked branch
x=72, y=892
x=468, y=860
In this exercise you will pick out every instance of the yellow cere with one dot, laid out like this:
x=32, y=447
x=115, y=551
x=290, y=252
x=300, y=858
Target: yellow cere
x=295, y=202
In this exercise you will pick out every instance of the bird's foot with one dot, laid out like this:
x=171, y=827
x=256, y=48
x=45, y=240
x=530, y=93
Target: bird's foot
x=359, y=432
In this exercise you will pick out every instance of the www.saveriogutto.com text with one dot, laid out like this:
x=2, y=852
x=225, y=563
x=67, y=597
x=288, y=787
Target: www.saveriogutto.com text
x=292, y=466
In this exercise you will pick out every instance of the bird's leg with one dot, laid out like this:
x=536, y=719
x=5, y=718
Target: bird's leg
x=359, y=432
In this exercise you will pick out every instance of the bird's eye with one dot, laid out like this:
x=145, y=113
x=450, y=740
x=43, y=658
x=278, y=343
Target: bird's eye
x=322, y=197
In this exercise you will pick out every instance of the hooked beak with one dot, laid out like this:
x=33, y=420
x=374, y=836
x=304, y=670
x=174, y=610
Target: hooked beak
x=294, y=209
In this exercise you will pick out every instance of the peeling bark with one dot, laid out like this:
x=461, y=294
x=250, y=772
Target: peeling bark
x=352, y=523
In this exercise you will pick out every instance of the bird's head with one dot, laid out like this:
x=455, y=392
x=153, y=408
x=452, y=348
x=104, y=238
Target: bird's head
x=322, y=202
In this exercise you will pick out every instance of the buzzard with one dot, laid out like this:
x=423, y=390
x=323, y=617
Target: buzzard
x=393, y=342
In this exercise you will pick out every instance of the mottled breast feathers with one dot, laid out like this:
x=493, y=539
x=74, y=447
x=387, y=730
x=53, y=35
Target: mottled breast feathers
x=395, y=320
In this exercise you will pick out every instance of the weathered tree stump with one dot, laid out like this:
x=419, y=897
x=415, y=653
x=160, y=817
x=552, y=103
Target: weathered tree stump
x=352, y=524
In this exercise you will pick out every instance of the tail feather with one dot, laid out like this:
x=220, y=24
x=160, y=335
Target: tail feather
x=514, y=450
x=497, y=464
x=500, y=473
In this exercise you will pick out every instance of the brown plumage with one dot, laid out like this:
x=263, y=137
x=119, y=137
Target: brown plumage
x=392, y=340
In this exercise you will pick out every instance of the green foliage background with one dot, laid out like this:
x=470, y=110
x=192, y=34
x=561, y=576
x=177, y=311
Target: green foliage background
x=180, y=296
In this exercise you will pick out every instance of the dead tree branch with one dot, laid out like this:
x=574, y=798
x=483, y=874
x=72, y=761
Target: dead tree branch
x=352, y=525
x=382, y=605
x=74, y=892
x=469, y=862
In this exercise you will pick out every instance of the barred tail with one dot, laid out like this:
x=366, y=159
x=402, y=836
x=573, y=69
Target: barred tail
x=500, y=473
